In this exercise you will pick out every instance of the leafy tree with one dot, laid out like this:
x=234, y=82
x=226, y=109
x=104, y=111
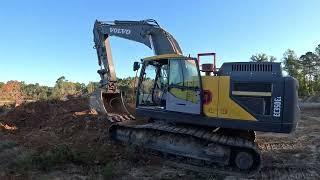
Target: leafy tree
x=309, y=70
x=317, y=51
x=60, y=79
x=291, y=63
x=272, y=58
x=127, y=86
x=262, y=57
x=11, y=91
x=35, y=91
x=64, y=88
x=91, y=87
x=293, y=67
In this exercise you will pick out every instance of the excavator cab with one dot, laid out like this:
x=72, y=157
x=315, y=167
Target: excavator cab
x=171, y=83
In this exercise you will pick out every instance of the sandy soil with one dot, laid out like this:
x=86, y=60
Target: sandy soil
x=40, y=126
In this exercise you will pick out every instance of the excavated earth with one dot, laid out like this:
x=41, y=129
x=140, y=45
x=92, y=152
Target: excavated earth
x=40, y=127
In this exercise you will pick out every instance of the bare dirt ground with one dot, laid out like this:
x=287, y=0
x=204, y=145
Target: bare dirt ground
x=65, y=140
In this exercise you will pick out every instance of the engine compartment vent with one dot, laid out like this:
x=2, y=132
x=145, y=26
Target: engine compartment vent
x=252, y=67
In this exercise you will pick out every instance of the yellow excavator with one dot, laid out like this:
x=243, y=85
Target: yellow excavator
x=196, y=114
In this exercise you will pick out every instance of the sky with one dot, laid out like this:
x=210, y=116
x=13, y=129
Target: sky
x=41, y=40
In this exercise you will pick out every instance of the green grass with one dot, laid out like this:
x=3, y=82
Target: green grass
x=24, y=160
x=58, y=155
x=7, y=144
x=108, y=171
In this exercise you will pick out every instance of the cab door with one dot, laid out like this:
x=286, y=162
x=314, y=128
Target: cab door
x=184, y=87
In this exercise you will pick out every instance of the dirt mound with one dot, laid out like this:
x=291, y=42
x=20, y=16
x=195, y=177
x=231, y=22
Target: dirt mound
x=38, y=114
x=41, y=125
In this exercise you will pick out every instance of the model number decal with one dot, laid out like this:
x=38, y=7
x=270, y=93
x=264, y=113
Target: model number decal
x=120, y=31
x=277, y=106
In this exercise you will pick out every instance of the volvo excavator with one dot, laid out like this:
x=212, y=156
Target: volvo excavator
x=196, y=114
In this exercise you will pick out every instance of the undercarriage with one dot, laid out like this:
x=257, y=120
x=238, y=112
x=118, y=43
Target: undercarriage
x=226, y=151
x=197, y=146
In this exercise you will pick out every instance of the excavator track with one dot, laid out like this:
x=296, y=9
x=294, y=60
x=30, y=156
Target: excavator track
x=193, y=146
x=218, y=151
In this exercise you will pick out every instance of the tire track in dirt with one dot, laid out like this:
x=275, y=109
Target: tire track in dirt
x=280, y=146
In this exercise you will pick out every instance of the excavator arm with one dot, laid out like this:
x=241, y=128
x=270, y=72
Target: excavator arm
x=108, y=99
x=147, y=32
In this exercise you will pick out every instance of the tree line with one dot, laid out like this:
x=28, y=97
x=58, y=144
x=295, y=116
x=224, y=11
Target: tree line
x=16, y=90
x=19, y=90
x=305, y=68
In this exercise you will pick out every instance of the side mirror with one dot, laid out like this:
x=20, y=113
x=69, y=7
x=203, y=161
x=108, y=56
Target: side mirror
x=136, y=66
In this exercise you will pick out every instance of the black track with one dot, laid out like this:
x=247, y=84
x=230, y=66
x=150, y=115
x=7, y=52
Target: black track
x=233, y=143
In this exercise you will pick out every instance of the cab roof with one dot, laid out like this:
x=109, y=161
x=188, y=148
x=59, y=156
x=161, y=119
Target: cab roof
x=164, y=56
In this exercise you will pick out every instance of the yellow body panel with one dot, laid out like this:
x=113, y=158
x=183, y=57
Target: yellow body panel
x=211, y=83
x=188, y=95
x=222, y=105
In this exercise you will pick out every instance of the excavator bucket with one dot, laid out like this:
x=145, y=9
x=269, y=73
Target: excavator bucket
x=110, y=104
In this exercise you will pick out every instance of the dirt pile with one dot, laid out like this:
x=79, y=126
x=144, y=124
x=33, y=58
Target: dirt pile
x=42, y=125
x=62, y=134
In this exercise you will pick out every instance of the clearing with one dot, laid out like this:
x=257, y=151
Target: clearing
x=65, y=140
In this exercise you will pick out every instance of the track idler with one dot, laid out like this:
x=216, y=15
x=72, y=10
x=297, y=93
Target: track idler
x=110, y=104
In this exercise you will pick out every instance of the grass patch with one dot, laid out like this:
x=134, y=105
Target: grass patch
x=131, y=152
x=63, y=154
x=26, y=160
x=83, y=157
x=23, y=162
x=108, y=171
x=58, y=155
x=7, y=144
x=136, y=154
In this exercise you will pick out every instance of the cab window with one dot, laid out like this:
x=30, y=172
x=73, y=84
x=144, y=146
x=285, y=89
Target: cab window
x=184, y=73
x=176, y=76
